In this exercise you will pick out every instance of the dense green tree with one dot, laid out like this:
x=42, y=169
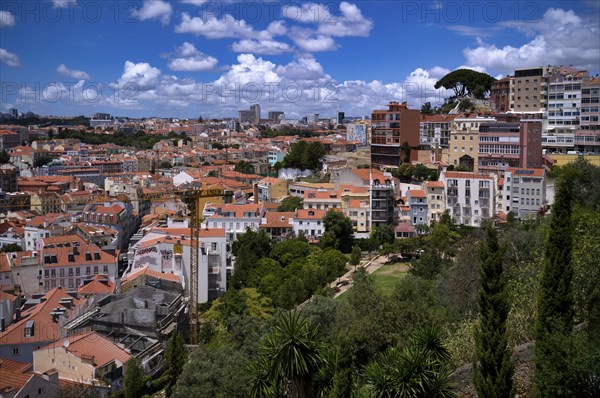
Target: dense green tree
x=244, y=166
x=384, y=234
x=404, y=172
x=493, y=369
x=466, y=82
x=134, y=380
x=248, y=248
x=11, y=247
x=419, y=370
x=165, y=164
x=427, y=109
x=421, y=172
x=291, y=203
x=292, y=354
x=175, y=358
x=215, y=370
x=339, y=232
x=42, y=160
x=555, y=304
x=355, y=256
x=289, y=250
x=305, y=155
x=586, y=271
x=4, y=157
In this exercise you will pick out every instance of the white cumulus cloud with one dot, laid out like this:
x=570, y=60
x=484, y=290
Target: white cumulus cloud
x=9, y=58
x=188, y=58
x=154, y=9
x=74, y=73
x=560, y=37
x=63, y=3
x=6, y=19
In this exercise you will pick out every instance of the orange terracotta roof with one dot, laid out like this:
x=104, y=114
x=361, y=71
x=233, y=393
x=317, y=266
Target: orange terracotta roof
x=93, y=345
x=417, y=193
x=62, y=256
x=10, y=379
x=98, y=285
x=153, y=274
x=278, y=219
x=45, y=328
x=528, y=172
x=15, y=366
x=310, y=214
x=434, y=184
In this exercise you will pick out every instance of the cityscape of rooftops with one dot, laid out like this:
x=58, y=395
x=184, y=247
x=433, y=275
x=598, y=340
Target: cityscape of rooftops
x=204, y=198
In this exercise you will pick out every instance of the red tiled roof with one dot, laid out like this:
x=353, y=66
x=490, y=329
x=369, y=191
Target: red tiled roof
x=98, y=285
x=95, y=346
x=45, y=328
x=278, y=219
x=434, y=184
x=417, y=193
x=15, y=366
x=151, y=273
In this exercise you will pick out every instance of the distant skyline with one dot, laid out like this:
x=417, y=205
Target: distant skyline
x=192, y=58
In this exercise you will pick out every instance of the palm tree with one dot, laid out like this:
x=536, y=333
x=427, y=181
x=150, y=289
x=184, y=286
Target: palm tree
x=417, y=371
x=291, y=354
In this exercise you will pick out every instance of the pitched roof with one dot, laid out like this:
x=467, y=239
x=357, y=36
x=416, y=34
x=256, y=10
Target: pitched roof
x=467, y=174
x=15, y=366
x=434, y=184
x=278, y=219
x=153, y=274
x=45, y=328
x=93, y=346
x=97, y=285
x=417, y=193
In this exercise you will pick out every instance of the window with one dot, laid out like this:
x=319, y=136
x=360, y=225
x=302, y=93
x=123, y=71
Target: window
x=15, y=351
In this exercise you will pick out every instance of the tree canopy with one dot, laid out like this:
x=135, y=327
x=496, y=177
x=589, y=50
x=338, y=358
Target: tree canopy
x=467, y=82
x=305, y=155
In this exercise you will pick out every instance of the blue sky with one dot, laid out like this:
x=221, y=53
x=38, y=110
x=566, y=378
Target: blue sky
x=187, y=58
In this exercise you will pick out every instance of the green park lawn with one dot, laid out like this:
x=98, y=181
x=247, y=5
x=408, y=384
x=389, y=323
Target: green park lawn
x=387, y=277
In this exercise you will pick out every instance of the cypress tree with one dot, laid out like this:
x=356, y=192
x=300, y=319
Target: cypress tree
x=175, y=358
x=555, y=303
x=493, y=367
x=134, y=378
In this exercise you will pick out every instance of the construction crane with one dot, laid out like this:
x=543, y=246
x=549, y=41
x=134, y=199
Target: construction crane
x=193, y=199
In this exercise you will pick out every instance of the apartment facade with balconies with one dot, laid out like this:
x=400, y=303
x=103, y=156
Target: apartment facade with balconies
x=470, y=197
x=392, y=132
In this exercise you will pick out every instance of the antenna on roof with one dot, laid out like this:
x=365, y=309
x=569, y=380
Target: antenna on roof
x=66, y=343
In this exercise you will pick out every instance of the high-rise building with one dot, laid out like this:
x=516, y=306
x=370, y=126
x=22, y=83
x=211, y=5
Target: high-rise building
x=340, y=118
x=256, y=109
x=392, y=132
x=276, y=115
x=246, y=116
x=313, y=118
x=564, y=107
x=528, y=89
x=587, y=138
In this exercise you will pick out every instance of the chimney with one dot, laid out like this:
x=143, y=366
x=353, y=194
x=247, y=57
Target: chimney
x=255, y=193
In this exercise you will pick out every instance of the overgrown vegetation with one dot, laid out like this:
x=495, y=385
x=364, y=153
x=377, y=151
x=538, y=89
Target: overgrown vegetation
x=367, y=344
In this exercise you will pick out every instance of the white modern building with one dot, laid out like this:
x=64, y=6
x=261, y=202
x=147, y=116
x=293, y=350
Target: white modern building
x=470, y=197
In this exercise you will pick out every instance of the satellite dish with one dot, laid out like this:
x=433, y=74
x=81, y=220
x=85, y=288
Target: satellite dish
x=66, y=343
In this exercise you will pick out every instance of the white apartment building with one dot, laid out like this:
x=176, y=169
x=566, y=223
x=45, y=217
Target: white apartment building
x=564, y=109
x=233, y=218
x=470, y=197
x=167, y=250
x=309, y=222
x=436, y=199
x=524, y=191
